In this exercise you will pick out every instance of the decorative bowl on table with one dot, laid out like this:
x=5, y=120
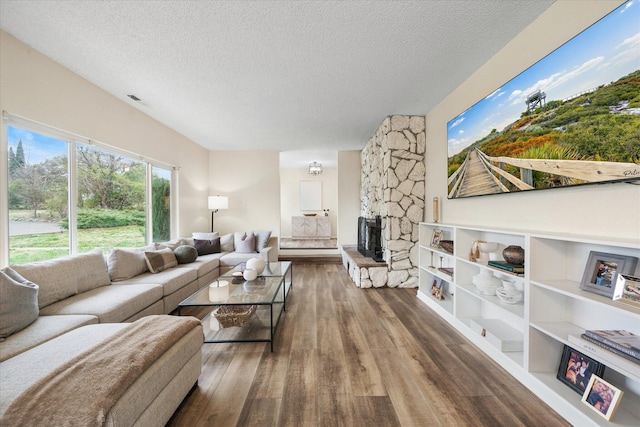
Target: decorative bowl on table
x=309, y=214
x=447, y=245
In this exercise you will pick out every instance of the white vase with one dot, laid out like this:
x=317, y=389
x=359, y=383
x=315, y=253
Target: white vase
x=486, y=282
x=250, y=274
x=257, y=264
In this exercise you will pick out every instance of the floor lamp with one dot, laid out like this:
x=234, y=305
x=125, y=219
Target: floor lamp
x=215, y=203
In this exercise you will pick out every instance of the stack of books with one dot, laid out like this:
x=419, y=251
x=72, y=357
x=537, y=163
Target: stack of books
x=622, y=343
x=503, y=265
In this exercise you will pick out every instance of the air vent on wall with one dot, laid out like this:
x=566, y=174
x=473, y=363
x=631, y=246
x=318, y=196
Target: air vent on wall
x=135, y=98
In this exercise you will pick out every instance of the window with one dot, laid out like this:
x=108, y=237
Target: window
x=111, y=200
x=68, y=195
x=38, y=196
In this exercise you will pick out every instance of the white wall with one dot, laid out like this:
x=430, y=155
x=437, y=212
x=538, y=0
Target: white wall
x=34, y=87
x=251, y=180
x=611, y=210
x=348, y=196
x=290, y=196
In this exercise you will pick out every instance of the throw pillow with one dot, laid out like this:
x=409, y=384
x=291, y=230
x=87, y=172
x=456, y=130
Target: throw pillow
x=185, y=254
x=124, y=264
x=158, y=261
x=226, y=243
x=206, y=247
x=246, y=245
x=205, y=236
x=19, y=302
x=171, y=244
x=262, y=238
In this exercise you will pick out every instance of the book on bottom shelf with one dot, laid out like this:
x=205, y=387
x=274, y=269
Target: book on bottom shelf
x=624, y=341
x=610, y=349
x=604, y=355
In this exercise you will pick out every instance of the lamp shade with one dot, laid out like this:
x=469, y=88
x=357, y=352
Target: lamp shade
x=218, y=202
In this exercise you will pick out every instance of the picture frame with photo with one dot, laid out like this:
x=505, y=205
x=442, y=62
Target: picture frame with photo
x=576, y=369
x=602, y=269
x=602, y=397
x=437, y=288
x=627, y=289
x=436, y=236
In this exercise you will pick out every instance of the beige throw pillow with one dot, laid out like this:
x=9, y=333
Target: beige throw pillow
x=19, y=302
x=158, y=261
x=124, y=264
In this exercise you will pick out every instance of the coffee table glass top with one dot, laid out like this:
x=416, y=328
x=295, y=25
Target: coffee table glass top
x=263, y=290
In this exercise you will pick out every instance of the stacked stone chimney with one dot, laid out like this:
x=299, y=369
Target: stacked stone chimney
x=392, y=186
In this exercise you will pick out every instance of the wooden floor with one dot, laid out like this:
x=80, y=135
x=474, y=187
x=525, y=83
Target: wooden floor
x=357, y=357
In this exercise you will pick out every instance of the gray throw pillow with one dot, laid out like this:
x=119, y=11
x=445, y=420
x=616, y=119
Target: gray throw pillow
x=262, y=238
x=226, y=243
x=19, y=302
x=245, y=245
x=206, y=247
x=185, y=254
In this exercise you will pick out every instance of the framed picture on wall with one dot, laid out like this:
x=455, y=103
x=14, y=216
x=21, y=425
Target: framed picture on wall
x=537, y=130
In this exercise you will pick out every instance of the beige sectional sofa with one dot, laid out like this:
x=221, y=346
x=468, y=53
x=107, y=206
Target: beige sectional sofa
x=87, y=298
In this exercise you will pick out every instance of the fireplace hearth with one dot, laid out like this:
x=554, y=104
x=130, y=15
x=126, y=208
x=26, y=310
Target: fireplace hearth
x=370, y=237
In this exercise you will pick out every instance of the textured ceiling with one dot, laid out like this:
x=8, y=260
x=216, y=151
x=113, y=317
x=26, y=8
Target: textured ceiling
x=273, y=75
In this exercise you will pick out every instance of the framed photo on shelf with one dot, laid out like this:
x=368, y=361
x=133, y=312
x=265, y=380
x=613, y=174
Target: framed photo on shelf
x=437, y=288
x=602, y=397
x=601, y=272
x=576, y=369
x=627, y=289
x=435, y=238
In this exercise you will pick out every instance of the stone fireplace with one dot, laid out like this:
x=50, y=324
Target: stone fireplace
x=392, y=186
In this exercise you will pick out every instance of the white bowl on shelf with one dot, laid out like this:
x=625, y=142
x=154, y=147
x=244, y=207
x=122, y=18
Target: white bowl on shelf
x=508, y=296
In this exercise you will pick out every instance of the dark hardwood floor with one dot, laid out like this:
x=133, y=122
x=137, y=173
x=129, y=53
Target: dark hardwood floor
x=345, y=356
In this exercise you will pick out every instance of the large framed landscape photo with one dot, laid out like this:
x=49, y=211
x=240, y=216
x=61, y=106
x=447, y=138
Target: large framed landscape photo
x=570, y=119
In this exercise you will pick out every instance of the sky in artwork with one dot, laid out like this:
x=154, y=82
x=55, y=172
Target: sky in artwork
x=604, y=52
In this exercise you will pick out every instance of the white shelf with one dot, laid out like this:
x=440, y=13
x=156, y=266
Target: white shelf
x=554, y=312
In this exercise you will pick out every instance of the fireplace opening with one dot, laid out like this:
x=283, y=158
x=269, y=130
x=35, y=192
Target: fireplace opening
x=370, y=237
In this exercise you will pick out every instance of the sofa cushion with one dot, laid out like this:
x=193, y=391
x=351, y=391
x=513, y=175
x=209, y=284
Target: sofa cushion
x=244, y=243
x=42, y=330
x=18, y=302
x=161, y=260
x=113, y=303
x=62, y=277
x=170, y=280
x=185, y=254
x=226, y=243
x=124, y=263
x=205, y=236
x=262, y=239
x=203, y=265
x=207, y=247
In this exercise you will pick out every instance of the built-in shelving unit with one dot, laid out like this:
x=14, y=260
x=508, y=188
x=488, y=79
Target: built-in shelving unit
x=528, y=338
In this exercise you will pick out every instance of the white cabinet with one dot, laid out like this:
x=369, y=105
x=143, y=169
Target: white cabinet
x=553, y=311
x=311, y=227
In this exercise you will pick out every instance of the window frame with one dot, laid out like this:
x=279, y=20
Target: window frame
x=73, y=140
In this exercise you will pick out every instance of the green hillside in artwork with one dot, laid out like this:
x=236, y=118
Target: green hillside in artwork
x=602, y=125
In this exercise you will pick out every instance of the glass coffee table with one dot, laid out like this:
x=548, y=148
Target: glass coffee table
x=252, y=310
